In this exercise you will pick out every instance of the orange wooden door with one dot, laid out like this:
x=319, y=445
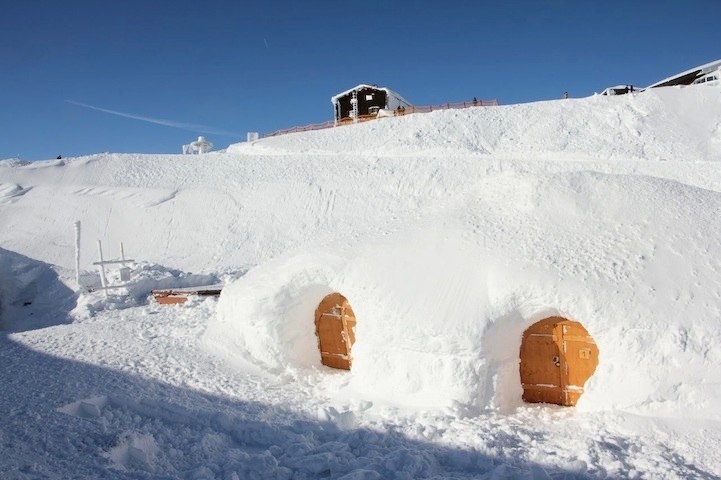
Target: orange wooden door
x=580, y=358
x=335, y=327
x=557, y=357
x=540, y=364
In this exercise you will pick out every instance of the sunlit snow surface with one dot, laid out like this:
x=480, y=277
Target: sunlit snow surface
x=449, y=233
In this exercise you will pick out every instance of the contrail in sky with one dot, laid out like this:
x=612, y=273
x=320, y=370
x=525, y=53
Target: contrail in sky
x=168, y=123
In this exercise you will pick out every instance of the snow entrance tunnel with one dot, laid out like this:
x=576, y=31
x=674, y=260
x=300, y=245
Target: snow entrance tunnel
x=557, y=357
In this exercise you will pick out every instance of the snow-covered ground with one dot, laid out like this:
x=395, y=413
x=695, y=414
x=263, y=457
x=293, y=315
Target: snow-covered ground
x=450, y=233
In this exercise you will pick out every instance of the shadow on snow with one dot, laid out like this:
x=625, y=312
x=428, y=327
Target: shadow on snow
x=31, y=294
x=61, y=418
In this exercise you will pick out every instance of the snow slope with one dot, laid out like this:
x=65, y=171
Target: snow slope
x=450, y=233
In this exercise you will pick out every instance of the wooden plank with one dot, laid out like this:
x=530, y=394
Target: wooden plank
x=181, y=295
x=543, y=394
x=170, y=299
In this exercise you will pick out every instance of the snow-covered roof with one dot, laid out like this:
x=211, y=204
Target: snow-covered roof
x=688, y=76
x=334, y=99
x=616, y=89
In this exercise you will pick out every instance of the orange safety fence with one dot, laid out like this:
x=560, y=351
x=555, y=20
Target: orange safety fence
x=364, y=118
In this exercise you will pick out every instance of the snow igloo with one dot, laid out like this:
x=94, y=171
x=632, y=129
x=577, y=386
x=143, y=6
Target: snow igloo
x=405, y=335
x=440, y=308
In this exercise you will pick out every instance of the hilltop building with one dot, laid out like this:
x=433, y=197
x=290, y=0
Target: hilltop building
x=366, y=101
x=709, y=72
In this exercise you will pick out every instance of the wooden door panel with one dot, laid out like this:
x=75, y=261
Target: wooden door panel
x=335, y=328
x=580, y=354
x=332, y=338
x=540, y=365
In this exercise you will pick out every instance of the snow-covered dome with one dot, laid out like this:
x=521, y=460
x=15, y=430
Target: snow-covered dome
x=441, y=311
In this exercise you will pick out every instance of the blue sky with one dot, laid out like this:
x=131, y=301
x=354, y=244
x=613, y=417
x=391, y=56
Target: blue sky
x=80, y=77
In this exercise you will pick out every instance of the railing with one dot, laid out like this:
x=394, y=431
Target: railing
x=397, y=112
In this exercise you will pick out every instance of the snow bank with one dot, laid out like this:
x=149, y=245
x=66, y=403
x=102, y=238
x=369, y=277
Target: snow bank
x=144, y=278
x=31, y=294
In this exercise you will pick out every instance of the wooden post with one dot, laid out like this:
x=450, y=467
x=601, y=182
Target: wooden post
x=77, y=253
x=103, y=281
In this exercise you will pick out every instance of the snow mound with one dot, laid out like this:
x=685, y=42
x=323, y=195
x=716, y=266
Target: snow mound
x=31, y=294
x=10, y=191
x=441, y=305
x=144, y=278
